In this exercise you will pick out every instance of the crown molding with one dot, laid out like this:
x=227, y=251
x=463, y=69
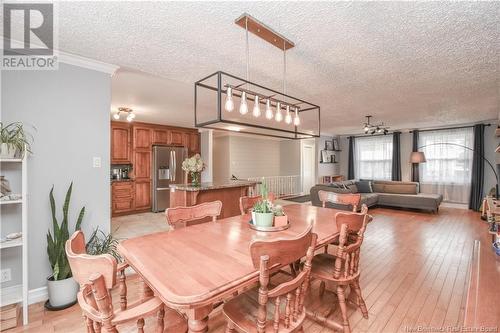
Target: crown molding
x=76, y=60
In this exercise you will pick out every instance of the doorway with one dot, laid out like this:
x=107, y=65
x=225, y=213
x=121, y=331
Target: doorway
x=308, y=165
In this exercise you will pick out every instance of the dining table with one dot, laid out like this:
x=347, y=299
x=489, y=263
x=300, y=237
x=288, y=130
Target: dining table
x=190, y=269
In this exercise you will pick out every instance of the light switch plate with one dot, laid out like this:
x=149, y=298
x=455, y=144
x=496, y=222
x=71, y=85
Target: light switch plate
x=96, y=162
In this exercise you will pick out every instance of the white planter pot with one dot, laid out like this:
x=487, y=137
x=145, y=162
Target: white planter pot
x=264, y=219
x=7, y=151
x=62, y=292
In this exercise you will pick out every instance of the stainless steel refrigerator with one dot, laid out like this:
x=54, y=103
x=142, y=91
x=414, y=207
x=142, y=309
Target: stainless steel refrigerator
x=167, y=169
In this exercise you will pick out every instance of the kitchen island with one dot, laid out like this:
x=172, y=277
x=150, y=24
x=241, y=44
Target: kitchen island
x=228, y=192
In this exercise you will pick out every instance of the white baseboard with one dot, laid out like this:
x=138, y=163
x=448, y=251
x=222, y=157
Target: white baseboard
x=38, y=295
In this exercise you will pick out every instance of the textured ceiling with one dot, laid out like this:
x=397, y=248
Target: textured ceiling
x=409, y=64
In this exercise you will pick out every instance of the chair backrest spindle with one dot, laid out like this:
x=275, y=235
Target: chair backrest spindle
x=183, y=215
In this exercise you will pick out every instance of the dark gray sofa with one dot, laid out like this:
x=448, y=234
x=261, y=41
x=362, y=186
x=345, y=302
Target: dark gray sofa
x=385, y=193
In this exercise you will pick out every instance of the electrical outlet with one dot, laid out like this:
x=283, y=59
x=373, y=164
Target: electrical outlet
x=96, y=162
x=5, y=275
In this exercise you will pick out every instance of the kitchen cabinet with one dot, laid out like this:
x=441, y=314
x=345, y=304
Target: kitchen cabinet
x=142, y=164
x=131, y=143
x=142, y=195
x=160, y=136
x=176, y=137
x=122, y=196
x=120, y=143
x=142, y=137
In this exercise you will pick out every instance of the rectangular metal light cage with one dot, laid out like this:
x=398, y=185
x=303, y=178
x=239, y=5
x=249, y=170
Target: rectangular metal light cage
x=209, y=109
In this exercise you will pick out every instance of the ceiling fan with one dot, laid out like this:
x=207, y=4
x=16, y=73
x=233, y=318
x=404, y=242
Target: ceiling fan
x=372, y=129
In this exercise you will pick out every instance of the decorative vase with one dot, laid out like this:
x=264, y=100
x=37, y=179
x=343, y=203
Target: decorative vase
x=7, y=150
x=263, y=219
x=62, y=293
x=195, y=178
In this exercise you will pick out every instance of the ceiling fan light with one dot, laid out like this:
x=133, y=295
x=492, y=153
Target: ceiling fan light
x=116, y=116
x=229, y=105
x=269, y=111
x=288, y=117
x=132, y=115
x=256, y=107
x=129, y=117
x=278, y=117
x=243, y=104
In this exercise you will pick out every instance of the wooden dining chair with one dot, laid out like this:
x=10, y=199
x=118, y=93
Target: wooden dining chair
x=248, y=312
x=341, y=266
x=184, y=215
x=350, y=199
x=96, y=275
x=247, y=202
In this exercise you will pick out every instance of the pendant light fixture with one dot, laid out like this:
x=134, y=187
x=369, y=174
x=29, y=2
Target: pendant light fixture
x=243, y=104
x=274, y=113
x=278, y=117
x=256, y=108
x=229, y=105
x=288, y=117
x=269, y=111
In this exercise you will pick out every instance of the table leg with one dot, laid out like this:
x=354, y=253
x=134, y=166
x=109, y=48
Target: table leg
x=198, y=319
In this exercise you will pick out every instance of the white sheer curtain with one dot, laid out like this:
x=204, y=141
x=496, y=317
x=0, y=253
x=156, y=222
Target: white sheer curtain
x=448, y=169
x=373, y=157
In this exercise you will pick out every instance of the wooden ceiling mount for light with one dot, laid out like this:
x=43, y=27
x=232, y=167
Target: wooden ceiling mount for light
x=263, y=31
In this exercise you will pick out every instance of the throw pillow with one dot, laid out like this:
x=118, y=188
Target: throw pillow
x=364, y=186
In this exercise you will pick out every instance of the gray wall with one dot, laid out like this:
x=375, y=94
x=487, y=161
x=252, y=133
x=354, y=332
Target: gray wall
x=289, y=157
x=490, y=143
x=70, y=110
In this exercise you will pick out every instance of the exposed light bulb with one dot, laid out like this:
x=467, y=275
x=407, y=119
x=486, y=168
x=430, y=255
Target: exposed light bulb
x=379, y=130
x=296, y=120
x=130, y=118
x=288, y=117
x=229, y=105
x=256, y=107
x=243, y=104
x=132, y=115
x=269, y=111
x=366, y=128
x=278, y=117
x=116, y=116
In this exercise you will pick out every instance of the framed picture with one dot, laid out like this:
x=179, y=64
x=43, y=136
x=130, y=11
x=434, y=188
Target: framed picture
x=328, y=145
x=324, y=156
x=335, y=143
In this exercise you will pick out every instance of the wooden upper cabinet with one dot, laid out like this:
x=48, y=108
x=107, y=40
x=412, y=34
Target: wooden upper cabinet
x=175, y=137
x=120, y=143
x=160, y=136
x=142, y=164
x=194, y=143
x=142, y=137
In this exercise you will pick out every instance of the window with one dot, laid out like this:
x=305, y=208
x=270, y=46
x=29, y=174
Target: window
x=373, y=157
x=448, y=169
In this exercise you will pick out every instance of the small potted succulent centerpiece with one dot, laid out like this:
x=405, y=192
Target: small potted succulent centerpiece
x=62, y=288
x=14, y=140
x=194, y=166
x=262, y=213
x=280, y=219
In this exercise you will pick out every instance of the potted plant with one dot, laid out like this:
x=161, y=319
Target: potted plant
x=280, y=219
x=102, y=243
x=262, y=212
x=194, y=166
x=62, y=288
x=14, y=140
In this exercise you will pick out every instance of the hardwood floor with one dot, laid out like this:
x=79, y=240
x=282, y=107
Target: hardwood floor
x=415, y=269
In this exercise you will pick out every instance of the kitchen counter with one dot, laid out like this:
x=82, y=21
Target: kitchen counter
x=211, y=186
x=228, y=193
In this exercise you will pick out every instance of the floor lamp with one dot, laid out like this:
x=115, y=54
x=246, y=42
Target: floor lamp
x=418, y=157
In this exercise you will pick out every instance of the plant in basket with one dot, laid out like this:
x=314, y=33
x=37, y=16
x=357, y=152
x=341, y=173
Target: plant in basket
x=280, y=219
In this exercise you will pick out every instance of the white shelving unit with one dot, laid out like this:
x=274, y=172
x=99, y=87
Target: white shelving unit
x=18, y=293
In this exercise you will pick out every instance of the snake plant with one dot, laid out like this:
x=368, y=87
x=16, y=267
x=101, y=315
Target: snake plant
x=60, y=234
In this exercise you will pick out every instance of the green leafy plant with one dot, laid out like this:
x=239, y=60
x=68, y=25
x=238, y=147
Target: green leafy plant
x=102, y=243
x=56, y=241
x=16, y=136
x=264, y=205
